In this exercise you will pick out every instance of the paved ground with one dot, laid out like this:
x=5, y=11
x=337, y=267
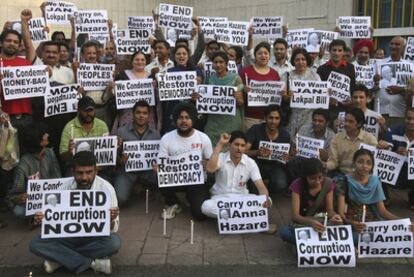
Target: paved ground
x=145, y=246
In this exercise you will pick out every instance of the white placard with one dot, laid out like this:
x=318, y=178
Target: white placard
x=326, y=38
x=341, y=121
x=267, y=27
x=141, y=22
x=37, y=29
x=216, y=100
x=175, y=17
x=142, y=155
x=354, y=26
x=341, y=86
x=59, y=12
x=93, y=76
x=410, y=164
x=309, y=94
x=176, y=85
x=371, y=125
x=129, y=41
x=24, y=81
x=77, y=213
x=91, y=22
x=298, y=37
x=365, y=74
x=104, y=148
x=409, y=50
x=243, y=214
x=277, y=151
x=61, y=100
x=128, y=92
x=396, y=73
x=233, y=32
x=209, y=24
x=388, y=165
x=209, y=70
x=265, y=93
x=308, y=147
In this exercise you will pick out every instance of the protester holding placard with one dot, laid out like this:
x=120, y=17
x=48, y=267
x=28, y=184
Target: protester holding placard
x=364, y=70
x=312, y=200
x=279, y=60
x=137, y=130
x=78, y=254
x=259, y=71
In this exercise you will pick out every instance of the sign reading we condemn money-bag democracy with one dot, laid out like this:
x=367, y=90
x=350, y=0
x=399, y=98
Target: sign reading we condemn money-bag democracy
x=59, y=12
x=410, y=161
x=128, y=92
x=104, y=148
x=24, y=81
x=233, y=32
x=365, y=74
x=341, y=86
x=36, y=189
x=37, y=29
x=77, y=213
x=181, y=170
x=354, y=26
x=333, y=248
x=267, y=27
x=309, y=94
x=242, y=214
x=216, y=100
x=298, y=37
x=141, y=22
x=209, y=24
x=265, y=93
x=175, y=17
x=308, y=147
x=61, y=100
x=129, y=41
x=91, y=22
x=176, y=85
x=93, y=76
x=278, y=151
x=386, y=239
x=142, y=154
x=409, y=50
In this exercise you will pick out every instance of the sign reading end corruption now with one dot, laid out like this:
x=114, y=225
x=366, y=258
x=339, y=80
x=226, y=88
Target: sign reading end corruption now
x=24, y=82
x=129, y=41
x=77, y=213
x=129, y=92
x=176, y=85
x=181, y=170
x=216, y=100
x=61, y=100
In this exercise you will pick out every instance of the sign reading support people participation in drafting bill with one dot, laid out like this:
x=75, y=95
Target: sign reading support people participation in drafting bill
x=129, y=41
x=37, y=190
x=242, y=214
x=410, y=162
x=181, y=170
x=61, y=100
x=354, y=26
x=386, y=239
x=76, y=213
x=209, y=24
x=298, y=37
x=175, y=17
x=142, y=155
x=91, y=21
x=24, y=81
x=365, y=74
x=104, y=148
x=334, y=248
x=233, y=32
x=176, y=85
x=341, y=86
x=396, y=73
x=309, y=94
x=93, y=76
x=37, y=29
x=127, y=93
x=409, y=50
x=267, y=27
x=308, y=147
x=265, y=93
x=277, y=151
x=141, y=22
x=59, y=12
x=216, y=100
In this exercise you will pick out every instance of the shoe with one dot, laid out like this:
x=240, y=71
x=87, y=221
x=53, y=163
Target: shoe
x=50, y=266
x=171, y=211
x=102, y=265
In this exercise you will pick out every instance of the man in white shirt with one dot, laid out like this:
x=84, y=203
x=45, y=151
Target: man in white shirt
x=162, y=61
x=279, y=61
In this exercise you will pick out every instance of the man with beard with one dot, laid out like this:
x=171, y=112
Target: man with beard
x=78, y=254
x=279, y=61
x=184, y=140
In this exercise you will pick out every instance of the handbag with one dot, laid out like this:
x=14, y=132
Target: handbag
x=9, y=146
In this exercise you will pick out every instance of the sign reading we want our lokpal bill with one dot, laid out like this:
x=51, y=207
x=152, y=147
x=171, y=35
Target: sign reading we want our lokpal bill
x=175, y=17
x=61, y=100
x=341, y=86
x=333, y=248
x=267, y=27
x=242, y=214
x=209, y=24
x=128, y=92
x=309, y=94
x=24, y=81
x=181, y=170
x=142, y=154
x=76, y=213
x=59, y=12
x=176, y=85
x=265, y=93
x=93, y=76
x=104, y=148
x=216, y=100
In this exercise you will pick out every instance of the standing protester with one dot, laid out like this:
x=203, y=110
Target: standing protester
x=279, y=61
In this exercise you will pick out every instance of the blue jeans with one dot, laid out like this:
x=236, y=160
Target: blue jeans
x=287, y=233
x=76, y=254
x=276, y=174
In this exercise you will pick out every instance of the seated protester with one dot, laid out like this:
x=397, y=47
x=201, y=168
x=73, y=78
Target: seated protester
x=374, y=122
x=360, y=188
x=232, y=170
x=78, y=254
x=137, y=130
x=37, y=162
x=345, y=143
x=274, y=173
x=312, y=197
x=183, y=140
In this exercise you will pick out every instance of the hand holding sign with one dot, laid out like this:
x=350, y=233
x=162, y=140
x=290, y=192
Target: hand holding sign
x=336, y=220
x=318, y=227
x=358, y=226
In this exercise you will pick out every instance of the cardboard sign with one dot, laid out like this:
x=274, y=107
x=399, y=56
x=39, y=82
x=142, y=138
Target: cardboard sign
x=141, y=22
x=341, y=86
x=242, y=214
x=326, y=38
x=175, y=17
x=129, y=41
x=409, y=50
x=365, y=74
x=142, y=155
x=104, y=148
x=371, y=123
x=354, y=26
x=176, y=85
x=181, y=170
x=216, y=100
x=410, y=164
x=265, y=93
x=24, y=81
x=59, y=12
x=313, y=43
x=61, y=100
x=37, y=29
x=308, y=147
x=396, y=73
x=93, y=76
x=386, y=239
x=341, y=121
x=76, y=213
x=298, y=37
x=127, y=93
x=91, y=21
x=309, y=94
x=278, y=151
x=335, y=248
x=267, y=27
x=233, y=32
x=209, y=70
x=209, y=25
